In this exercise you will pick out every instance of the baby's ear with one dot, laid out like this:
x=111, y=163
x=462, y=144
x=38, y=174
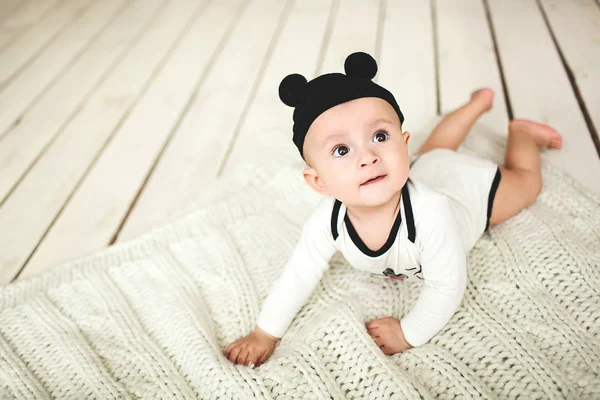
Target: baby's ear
x=314, y=181
x=406, y=136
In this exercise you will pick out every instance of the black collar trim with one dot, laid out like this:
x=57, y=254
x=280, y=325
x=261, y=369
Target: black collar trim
x=410, y=221
x=393, y=233
x=334, y=218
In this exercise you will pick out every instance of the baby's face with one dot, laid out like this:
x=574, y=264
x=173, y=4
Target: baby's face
x=352, y=143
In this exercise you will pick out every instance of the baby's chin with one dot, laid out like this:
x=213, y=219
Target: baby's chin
x=373, y=201
x=367, y=197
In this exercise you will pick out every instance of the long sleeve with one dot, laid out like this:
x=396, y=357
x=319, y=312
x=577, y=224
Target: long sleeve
x=301, y=274
x=443, y=263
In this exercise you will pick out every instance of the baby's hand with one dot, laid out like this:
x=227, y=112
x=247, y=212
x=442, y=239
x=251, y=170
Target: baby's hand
x=388, y=335
x=252, y=350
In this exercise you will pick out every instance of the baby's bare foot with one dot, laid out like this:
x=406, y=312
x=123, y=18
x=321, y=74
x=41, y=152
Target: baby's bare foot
x=484, y=97
x=543, y=135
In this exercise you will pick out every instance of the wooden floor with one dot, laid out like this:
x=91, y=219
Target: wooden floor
x=114, y=114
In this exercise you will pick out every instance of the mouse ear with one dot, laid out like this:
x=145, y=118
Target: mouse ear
x=360, y=65
x=292, y=89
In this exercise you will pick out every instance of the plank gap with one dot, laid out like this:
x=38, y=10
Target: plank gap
x=44, y=47
x=259, y=78
x=380, y=25
x=39, y=155
x=36, y=239
x=82, y=103
x=40, y=50
x=23, y=31
x=488, y=15
x=335, y=5
x=43, y=236
x=50, y=84
x=183, y=113
x=124, y=117
x=580, y=101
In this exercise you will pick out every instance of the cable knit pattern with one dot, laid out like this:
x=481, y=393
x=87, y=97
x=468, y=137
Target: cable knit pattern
x=150, y=318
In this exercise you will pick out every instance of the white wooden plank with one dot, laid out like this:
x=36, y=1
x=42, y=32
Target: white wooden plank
x=576, y=26
x=23, y=18
x=539, y=87
x=407, y=64
x=38, y=75
x=55, y=108
x=355, y=29
x=41, y=194
x=57, y=173
x=266, y=129
x=467, y=60
x=192, y=155
x=29, y=45
x=103, y=198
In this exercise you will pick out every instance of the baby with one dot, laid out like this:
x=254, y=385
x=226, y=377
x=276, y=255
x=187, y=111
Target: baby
x=387, y=215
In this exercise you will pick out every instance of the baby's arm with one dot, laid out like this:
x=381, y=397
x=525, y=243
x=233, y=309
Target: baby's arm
x=444, y=269
x=300, y=276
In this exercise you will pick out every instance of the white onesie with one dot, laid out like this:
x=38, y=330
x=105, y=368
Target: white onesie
x=426, y=243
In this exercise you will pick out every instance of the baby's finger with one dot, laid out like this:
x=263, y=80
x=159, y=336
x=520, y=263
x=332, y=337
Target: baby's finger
x=233, y=356
x=372, y=324
x=229, y=348
x=373, y=331
x=241, y=359
x=249, y=357
x=262, y=358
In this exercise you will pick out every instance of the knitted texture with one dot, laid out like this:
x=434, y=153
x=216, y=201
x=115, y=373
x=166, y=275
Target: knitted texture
x=150, y=318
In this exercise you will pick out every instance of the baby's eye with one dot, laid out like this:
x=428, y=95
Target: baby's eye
x=380, y=136
x=340, y=151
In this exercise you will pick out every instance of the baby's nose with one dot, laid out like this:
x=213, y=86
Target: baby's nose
x=368, y=158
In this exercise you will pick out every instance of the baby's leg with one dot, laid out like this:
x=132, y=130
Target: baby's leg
x=451, y=131
x=521, y=180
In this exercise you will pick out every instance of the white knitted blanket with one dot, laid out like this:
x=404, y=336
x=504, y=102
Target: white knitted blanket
x=150, y=318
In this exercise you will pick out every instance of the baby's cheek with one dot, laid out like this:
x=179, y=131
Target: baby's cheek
x=345, y=189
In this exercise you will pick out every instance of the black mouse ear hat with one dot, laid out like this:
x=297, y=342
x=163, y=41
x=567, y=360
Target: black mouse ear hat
x=311, y=99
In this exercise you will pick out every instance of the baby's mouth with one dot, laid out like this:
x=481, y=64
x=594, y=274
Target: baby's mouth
x=373, y=180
